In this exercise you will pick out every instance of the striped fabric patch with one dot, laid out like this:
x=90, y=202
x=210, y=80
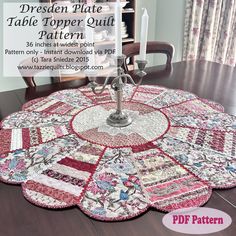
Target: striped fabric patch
x=53, y=106
x=69, y=171
x=65, y=178
x=168, y=185
x=63, y=183
x=36, y=104
x=219, y=141
x=45, y=187
x=144, y=94
x=46, y=200
x=72, y=97
x=43, y=105
x=173, y=188
x=189, y=199
x=170, y=98
x=150, y=89
x=62, y=108
x=14, y=139
x=193, y=107
x=104, y=97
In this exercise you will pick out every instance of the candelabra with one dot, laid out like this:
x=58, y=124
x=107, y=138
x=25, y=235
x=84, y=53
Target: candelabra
x=119, y=118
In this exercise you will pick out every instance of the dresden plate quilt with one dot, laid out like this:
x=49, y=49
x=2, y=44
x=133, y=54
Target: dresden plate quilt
x=62, y=152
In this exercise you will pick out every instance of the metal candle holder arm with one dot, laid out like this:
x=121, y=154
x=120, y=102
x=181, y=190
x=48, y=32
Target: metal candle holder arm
x=119, y=118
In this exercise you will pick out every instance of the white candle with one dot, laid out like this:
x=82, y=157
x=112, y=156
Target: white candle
x=118, y=36
x=89, y=37
x=144, y=35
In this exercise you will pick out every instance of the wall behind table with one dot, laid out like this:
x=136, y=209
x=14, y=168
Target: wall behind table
x=170, y=26
x=11, y=83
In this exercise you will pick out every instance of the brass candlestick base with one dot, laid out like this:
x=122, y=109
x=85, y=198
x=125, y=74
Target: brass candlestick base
x=119, y=118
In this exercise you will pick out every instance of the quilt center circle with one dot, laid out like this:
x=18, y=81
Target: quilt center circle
x=148, y=125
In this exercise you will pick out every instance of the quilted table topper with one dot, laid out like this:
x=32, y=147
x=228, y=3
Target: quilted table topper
x=62, y=152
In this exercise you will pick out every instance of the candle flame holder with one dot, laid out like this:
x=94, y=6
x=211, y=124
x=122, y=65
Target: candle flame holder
x=119, y=118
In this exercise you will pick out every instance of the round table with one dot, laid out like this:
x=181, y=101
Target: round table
x=60, y=149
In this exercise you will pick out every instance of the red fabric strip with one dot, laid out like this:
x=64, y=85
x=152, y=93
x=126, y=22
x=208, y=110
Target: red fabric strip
x=5, y=140
x=197, y=199
x=144, y=147
x=78, y=165
x=201, y=137
x=39, y=136
x=53, y=107
x=173, y=188
x=65, y=178
x=25, y=138
x=51, y=192
x=218, y=141
x=190, y=135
